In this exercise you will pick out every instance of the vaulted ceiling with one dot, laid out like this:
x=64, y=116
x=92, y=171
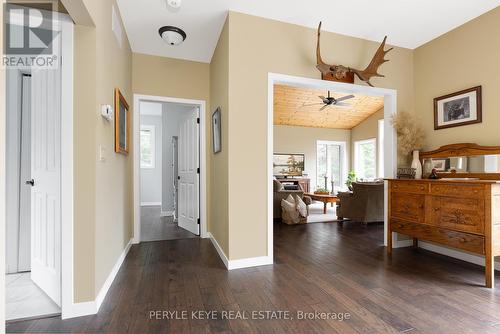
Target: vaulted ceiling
x=301, y=107
x=407, y=23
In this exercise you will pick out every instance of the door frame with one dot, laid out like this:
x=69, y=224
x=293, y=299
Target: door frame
x=138, y=98
x=66, y=25
x=390, y=138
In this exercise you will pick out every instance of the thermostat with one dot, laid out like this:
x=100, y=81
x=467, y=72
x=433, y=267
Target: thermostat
x=107, y=112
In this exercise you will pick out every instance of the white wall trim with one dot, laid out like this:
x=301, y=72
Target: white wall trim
x=240, y=263
x=92, y=307
x=203, y=159
x=390, y=139
x=467, y=257
x=219, y=250
x=111, y=277
x=150, y=203
x=67, y=175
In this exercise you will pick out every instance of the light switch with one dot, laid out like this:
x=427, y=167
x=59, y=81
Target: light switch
x=107, y=112
x=102, y=153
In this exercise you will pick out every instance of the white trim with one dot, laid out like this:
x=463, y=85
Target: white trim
x=166, y=213
x=152, y=132
x=150, y=203
x=203, y=159
x=219, y=250
x=390, y=139
x=67, y=171
x=241, y=263
x=357, y=143
x=380, y=148
x=92, y=307
x=343, y=152
x=111, y=277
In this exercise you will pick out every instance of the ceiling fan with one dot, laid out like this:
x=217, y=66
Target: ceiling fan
x=331, y=101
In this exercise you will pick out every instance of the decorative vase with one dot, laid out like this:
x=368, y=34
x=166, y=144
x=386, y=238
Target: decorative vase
x=417, y=165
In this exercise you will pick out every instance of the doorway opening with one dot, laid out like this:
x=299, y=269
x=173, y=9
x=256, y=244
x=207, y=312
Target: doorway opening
x=317, y=158
x=169, y=169
x=39, y=181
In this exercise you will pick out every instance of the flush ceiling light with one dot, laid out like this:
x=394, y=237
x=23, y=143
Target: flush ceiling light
x=174, y=3
x=172, y=35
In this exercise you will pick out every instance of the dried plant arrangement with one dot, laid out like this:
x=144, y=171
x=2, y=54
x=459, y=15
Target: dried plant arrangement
x=410, y=133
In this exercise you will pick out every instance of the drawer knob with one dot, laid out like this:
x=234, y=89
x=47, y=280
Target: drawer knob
x=437, y=209
x=422, y=188
x=421, y=206
x=462, y=240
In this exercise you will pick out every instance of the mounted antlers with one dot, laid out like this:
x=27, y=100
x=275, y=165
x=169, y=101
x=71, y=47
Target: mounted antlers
x=341, y=73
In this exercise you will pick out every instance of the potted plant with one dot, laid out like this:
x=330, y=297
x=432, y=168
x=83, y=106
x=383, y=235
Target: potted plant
x=321, y=191
x=351, y=177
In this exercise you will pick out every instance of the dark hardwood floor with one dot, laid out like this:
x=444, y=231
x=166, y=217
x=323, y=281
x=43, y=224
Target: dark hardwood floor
x=318, y=268
x=155, y=228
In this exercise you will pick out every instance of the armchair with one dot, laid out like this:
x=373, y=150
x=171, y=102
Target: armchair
x=364, y=204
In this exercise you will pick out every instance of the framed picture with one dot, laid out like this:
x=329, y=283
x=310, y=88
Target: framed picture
x=460, y=108
x=441, y=165
x=122, y=124
x=216, y=130
x=288, y=164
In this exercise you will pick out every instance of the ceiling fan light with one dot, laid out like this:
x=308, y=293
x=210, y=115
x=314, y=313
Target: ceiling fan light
x=172, y=35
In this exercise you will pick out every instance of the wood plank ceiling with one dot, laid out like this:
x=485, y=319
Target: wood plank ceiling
x=294, y=106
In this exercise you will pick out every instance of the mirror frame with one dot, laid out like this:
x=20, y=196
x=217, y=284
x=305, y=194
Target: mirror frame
x=460, y=150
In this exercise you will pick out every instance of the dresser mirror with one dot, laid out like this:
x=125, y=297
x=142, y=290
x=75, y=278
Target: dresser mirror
x=463, y=160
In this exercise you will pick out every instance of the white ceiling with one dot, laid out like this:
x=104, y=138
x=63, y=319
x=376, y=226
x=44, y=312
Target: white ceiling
x=408, y=23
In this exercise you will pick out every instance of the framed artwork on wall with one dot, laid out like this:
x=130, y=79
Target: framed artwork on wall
x=216, y=130
x=122, y=124
x=457, y=109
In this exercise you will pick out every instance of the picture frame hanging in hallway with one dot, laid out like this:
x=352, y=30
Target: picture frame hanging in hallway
x=216, y=130
x=122, y=124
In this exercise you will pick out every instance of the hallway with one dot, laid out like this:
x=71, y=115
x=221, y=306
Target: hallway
x=318, y=267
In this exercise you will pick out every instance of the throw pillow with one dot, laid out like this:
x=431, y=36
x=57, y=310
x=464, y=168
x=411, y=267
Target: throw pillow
x=290, y=215
x=291, y=200
x=301, y=206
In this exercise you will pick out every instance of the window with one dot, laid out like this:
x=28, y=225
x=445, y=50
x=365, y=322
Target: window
x=147, y=146
x=365, y=158
x=331, y=163
x=380, y=169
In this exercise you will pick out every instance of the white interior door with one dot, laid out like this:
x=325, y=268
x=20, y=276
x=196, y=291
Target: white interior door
x=46, y=189
x=189, y=181
x=24, y=255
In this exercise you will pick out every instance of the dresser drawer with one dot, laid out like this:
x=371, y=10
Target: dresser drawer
x=465, y=241
x=413, y=187
x=458, y=190
x=408, y=206
x=462, y=214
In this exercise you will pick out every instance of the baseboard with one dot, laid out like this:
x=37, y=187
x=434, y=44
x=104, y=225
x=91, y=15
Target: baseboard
x=150, y=203
x=79, y=310
x=467, y=257
x=402, y=243
x=92, y=307
x=219, y=250
x=240, y=263
x=111, y=277
x=166, y=214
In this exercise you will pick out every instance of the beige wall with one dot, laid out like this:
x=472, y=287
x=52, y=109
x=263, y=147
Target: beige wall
x=366, y=130
x=258, y=46
x=219, y=97
x=296, y=139
x=103, y=190
x=463, y=58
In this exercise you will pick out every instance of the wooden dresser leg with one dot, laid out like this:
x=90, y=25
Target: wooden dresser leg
x=415, y=243
x=489, y=270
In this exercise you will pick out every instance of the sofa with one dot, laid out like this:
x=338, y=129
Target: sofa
x=364, y=204
x=280, y=193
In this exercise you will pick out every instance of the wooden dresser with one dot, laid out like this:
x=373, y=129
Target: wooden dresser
x=460, y=210
x=460, y=214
